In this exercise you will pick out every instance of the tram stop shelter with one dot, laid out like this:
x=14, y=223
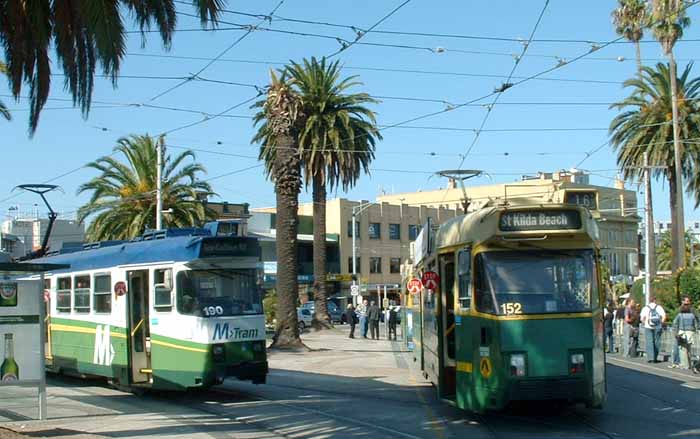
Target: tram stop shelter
x=22, y=331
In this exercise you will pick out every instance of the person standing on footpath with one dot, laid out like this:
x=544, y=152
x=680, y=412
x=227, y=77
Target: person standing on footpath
x=685, y=325
x=608, y=318
x=373, y=316
x=653, y=316
x=623, y=330
x=351, y=319
x=362, y=312
x=632, y=321
x=393, y=318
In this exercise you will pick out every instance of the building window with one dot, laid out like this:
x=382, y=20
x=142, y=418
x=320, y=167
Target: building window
x=395, y=265
x=357, y=229
x=81, y=294
x=357, y=261
x=63, y=294
x=375, y=231
x=394, y=231
x=102, y=294
x=375, y=265
x=413, y=231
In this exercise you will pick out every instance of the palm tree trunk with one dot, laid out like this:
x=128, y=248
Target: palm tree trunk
x=638, y=51
x=678, y=218
x=672, y=189
x=287, y=175
x=321, y=318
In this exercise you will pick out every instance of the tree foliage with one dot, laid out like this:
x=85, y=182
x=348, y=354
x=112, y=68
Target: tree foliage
x=84, y=34
x=4, y=112
x=123, y=197
x=663, y=251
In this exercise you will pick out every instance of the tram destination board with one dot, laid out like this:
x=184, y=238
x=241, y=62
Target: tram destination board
x=526, y=220
x=229, y=246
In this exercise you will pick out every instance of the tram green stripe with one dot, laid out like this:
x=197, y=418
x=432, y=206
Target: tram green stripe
x=19, y=320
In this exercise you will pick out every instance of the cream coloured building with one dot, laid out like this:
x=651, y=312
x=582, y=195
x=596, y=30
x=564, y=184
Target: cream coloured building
x=615, y=208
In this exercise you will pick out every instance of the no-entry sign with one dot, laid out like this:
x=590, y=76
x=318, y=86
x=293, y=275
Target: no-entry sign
x=430, y=280
x=414, y=286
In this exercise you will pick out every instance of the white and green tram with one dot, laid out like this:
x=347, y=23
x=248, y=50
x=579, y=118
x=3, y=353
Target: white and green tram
x=174, y=309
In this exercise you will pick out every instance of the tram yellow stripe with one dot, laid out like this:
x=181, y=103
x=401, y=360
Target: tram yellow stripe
x=81, y=330
x=175, y=346
x=464, y=366
x=581, y=315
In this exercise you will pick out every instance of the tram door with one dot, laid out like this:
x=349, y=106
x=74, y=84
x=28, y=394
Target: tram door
x=139, y=328
x=447, y=321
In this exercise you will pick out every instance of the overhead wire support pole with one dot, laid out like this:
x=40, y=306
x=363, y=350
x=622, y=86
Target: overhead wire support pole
x=159, y=182
x=356, y=210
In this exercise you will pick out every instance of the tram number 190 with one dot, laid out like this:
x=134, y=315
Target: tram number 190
x=512, y=308
x=210, y=311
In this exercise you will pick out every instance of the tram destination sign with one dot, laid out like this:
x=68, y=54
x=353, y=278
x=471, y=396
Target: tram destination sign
x=229, y=246
x=524, y=220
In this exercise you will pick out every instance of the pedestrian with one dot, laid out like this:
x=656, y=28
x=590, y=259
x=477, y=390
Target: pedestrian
x=608, y=325
x=351, y=319
x=653, y=317
x=393, y=317
x=623, y=330
x=362, y=313
x=373, y=314
x=685, y=324
x=632, y=322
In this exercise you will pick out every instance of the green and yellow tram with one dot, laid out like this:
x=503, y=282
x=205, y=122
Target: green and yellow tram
x=174, y=309
x=517, y=313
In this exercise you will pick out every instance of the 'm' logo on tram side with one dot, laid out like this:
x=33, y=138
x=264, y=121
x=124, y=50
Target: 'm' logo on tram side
x=222, y=331
x=104, y=351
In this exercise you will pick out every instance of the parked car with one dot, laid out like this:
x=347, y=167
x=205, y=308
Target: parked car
x=334, y=311
x=304, y=317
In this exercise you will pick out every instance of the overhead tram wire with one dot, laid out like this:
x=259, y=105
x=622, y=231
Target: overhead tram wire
x=362, y=34
x=216, y=58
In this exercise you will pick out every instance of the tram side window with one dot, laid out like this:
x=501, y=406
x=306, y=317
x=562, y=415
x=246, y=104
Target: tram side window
x=81, y=294
x=63, y=294
x=162, y=289
x=465, y=276
x=102, y=294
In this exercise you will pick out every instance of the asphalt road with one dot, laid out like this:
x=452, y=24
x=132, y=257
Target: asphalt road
x=364, y=389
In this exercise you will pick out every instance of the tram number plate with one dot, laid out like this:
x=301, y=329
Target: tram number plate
x=210, y=311
x=511, y=308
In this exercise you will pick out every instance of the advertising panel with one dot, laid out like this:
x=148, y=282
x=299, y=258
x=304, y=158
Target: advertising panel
x=20, y=356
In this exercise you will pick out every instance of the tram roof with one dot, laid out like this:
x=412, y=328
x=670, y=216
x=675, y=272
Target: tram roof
x=178, y=248
x=483, y=224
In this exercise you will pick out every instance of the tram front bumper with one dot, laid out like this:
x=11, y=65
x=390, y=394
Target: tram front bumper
x=541, y=389
x=254, y=371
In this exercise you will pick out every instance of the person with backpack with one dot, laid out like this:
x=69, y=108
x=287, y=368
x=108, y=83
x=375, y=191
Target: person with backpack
x=608, y=320
x=653, y=316
x=685, y=325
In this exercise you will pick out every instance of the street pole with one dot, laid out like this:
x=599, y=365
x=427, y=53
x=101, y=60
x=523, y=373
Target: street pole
x=159, y=183
x=648, y=229
x=679, y=229
x=354, y=253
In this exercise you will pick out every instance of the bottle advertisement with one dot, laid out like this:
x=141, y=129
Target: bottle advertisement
x=19, y=331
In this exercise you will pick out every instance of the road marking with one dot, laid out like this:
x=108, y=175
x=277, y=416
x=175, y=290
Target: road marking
x=656, y=370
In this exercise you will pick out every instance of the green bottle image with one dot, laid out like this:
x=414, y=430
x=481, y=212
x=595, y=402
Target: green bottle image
x=9, y=371
x=8, y=294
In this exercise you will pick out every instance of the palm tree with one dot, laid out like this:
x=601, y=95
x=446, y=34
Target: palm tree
x=123, y=200
x=337, y=144
x=665, y=250
x=630, y=18
x=644, y=125
x=4, y=112
x=84, y=34
x=278, y=121
x=669, y=20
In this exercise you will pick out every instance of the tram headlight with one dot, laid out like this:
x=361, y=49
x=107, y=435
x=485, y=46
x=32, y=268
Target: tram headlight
x=517, y=365
x=577, y=363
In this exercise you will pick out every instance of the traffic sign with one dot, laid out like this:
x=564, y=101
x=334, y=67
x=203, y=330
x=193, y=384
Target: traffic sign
x=414, y=286
x=430, y=280
x=354, y=289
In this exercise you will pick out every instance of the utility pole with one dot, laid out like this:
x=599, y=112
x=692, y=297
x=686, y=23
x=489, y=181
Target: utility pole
x=649, y=240
x=159, y=183
x=356, y=210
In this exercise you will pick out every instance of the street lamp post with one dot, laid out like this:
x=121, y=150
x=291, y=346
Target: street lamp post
x=356, y=210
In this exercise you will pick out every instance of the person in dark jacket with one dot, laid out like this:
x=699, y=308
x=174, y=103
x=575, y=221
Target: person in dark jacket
x=608, y=317
x=373, y=314
x=393, y=318
x=351, y=319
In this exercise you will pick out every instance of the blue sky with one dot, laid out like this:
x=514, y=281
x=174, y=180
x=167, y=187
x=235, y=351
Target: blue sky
x=65, y=141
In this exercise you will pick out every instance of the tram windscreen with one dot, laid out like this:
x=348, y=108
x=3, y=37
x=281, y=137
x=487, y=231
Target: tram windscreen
x=535, y=281
x=220, y=292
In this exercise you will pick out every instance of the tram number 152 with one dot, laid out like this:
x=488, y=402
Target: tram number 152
x=512, y=308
